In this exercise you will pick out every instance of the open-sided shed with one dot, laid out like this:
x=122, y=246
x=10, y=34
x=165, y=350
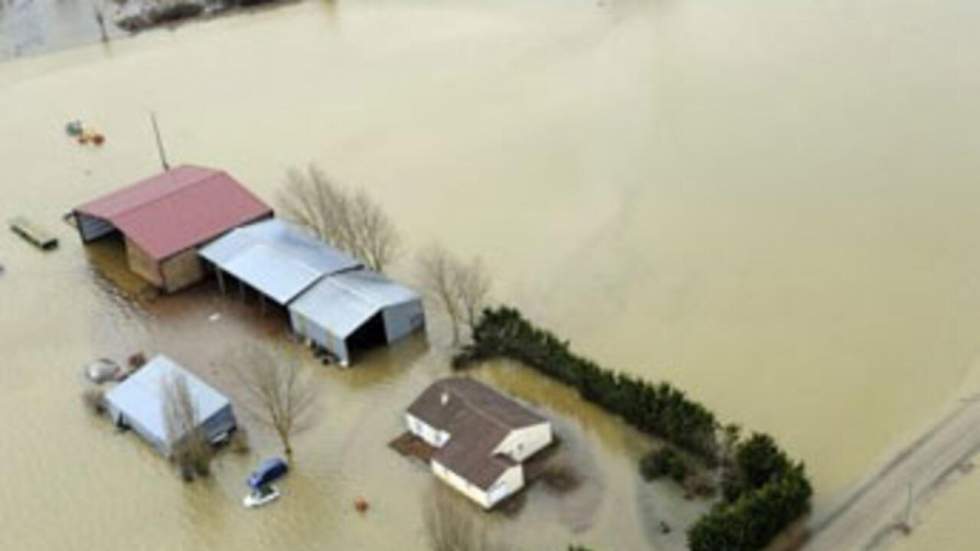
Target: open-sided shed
x=356, y=309
x=139, y=402
x=165, y=218
x=276, y=258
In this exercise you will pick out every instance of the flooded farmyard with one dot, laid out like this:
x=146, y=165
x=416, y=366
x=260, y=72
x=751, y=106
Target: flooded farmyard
x=772, y=209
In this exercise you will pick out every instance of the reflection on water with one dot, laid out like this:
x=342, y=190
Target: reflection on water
x=772, y=206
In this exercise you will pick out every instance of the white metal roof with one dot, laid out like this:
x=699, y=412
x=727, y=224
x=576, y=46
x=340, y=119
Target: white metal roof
x=141, y=396
x=276, y=257
x=343, y=302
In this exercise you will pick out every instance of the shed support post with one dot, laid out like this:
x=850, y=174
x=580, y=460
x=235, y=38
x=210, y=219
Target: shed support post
x=221, y=279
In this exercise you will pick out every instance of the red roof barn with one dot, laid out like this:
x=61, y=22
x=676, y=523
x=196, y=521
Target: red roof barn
x=165, y=218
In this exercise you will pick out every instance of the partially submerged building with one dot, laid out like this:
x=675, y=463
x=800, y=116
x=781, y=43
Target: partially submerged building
x=275, y=258
x=139, y=403
x=356, y=309
x=481, y=437
x=166, y=218
x=334, y=303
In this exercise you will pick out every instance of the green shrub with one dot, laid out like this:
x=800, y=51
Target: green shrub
x=756, y=517
x=757, y=461
x=664, y=462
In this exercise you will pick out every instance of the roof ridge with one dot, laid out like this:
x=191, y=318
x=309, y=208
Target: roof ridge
x=350, y=288
x=481, y=412
x=213, y=172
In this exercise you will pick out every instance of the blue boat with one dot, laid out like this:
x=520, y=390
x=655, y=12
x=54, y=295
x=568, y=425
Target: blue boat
x=268, y=472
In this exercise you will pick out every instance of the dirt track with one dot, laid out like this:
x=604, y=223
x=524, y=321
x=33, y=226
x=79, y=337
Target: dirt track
x=878, y=506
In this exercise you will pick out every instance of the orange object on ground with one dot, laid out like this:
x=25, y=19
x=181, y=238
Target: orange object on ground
x=98, y=139
x=361, y=505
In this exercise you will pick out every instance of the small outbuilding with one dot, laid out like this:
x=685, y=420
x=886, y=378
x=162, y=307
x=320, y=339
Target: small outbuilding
x=139, y=403
x=165, y=218
x=356, y=310
x=481, y=437
x=276, y=258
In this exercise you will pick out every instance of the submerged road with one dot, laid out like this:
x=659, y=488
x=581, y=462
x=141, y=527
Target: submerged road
x=880, y=503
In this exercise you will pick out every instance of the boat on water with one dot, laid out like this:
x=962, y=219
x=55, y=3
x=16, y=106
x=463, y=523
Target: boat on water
x=262, y=495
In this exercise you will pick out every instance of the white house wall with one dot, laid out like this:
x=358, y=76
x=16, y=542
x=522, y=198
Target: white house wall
x=509, y=482
x=403, y=319
x=523, y=443
x=461, y=485
x=431, y=435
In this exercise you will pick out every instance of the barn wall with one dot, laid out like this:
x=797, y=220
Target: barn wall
x=403, y=319
x=219, y=423
x=143, y=264
x=304, y=327
x=182, y=270
x=115, y=413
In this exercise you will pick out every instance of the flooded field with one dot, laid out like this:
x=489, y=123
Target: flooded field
x=773, y=206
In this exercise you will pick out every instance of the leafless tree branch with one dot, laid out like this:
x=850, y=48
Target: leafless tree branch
x=190, y=450
x=280, y=396
x=460, y=288
x=349, y=220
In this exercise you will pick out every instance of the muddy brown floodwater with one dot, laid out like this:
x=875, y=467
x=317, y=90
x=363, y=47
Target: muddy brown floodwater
x=772, y=205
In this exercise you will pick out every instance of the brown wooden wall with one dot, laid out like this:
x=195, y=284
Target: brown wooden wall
x=143, y=264
x=182, y=270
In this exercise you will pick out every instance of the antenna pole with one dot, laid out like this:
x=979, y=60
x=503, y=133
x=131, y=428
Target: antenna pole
x=160, y=151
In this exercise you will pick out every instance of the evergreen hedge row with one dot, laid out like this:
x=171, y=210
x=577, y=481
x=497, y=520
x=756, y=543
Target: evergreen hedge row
x=661, y=410
x=756, y=517
x=764, y=491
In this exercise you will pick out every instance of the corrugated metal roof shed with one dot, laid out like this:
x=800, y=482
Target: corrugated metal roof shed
x=343, y=302
x=277, y=258
x=178, y=209
x=140, y=398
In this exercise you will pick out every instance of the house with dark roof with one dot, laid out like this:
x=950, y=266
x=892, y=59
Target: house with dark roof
x=480, y=437
x=164, y=219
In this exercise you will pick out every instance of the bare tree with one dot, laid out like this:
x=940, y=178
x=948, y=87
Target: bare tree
x=472, y=288
x=437, y=274
x=349, y=220
x=190, y=451
x=279, y=395
x=460, y=288
x=454, y=526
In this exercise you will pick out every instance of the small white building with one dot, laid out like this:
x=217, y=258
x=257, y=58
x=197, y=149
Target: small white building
x=139, y=401
x=481, y=437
